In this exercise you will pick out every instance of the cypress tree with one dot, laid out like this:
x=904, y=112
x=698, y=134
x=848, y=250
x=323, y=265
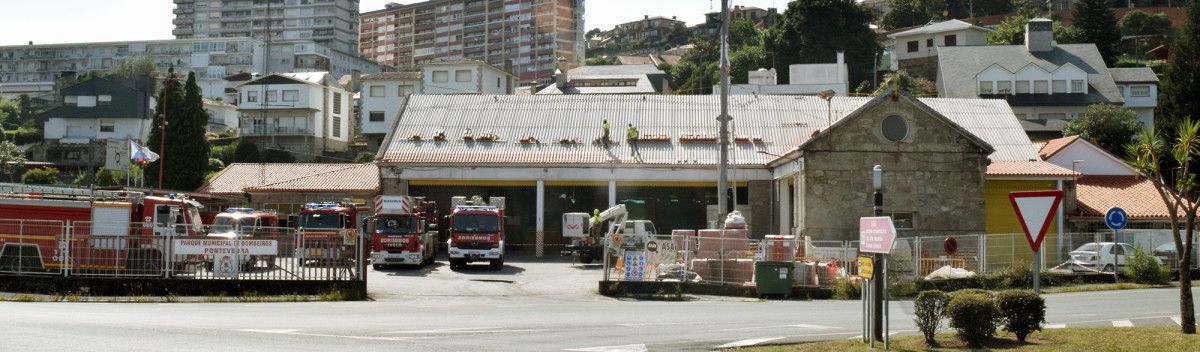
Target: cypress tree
x=1099, y=26
x=187, y=146
x=1181, y=84
x=168, y=99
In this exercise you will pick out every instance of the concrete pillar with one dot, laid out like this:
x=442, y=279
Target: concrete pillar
x=785, y=206
x=1059, y=231
x=612, y=193
x=541, y=219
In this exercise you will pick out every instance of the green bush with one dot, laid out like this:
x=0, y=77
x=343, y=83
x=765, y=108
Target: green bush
x=973, y=316
x=1018, y=274
x=246, y=152
x=271, y=155
x=847, y=290
x=973, y=291
x=1145, y=269
x=46, y=176
x=902, y=289
x=215, y=164
x=109, y=178
x=1023, y=312
x=930, y=306
x=27, y=135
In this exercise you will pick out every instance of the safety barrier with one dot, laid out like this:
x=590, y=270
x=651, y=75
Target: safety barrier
x=139, y=250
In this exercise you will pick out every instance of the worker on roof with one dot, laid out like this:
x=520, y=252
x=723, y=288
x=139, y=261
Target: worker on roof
x=633, y=137
x=605, y=138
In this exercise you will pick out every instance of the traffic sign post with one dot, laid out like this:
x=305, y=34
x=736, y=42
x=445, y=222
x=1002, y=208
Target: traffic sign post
x=877, y=234
x=1034, y=211
x=1116, y=219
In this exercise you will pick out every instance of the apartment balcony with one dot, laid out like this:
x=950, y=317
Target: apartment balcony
x=179, y=20
x=274, y=130
x=182, y=31
x=183, y=10
x=185, y=1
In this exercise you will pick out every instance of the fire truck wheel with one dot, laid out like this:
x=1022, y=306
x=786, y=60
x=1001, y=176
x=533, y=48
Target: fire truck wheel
x=378, y=266
x=457, y=264
x=585, y=259
x=497, y=264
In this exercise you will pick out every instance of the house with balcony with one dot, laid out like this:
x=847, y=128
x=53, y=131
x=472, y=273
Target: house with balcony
x=307, y=114
x=1047, y=84
x=222, y=116
x=93, y=124
x=915, y=50
x=384, y=94
x=1139, y=88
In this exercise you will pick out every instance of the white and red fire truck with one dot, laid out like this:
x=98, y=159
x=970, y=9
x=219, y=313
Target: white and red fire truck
x=403, y=231
x=48, y=228
x=328, y=232
x=476, y=232
x=246, y=223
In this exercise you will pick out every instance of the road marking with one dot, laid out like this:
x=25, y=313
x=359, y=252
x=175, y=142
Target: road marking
x=435, y=331
x=464, y=331
x=1122, y=323
x=802, y=326
x=1055, y=326
x=297, y=333
x=1177, y=320
x=635, y=325
x=622, y=348
x=749, y=342
x=810, y=326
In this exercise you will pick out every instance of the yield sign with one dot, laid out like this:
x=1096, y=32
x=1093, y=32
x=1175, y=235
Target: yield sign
x=1034, y=210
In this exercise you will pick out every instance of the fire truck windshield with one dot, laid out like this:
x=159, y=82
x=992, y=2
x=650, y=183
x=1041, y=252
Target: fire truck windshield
x=319, y=221
x=476, y=223
x=396, y=224
x=223, y=225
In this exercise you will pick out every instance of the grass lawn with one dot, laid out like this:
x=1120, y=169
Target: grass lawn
x=1164, y=338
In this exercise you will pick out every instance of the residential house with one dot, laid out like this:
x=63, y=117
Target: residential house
x=384, y=94
x=610, y=79
x=915, y=50
x=1047, y=84
x=712, y=20
x=1139, y=87
x=222, y=116
x=643, y=36
x=804, y=79
x=94, y=123
x=307, y=114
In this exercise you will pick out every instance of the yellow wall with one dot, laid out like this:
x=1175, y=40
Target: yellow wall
x=1000, y=218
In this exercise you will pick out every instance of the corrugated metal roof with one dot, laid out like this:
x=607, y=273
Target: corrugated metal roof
x=780, y=122
x=237, y=177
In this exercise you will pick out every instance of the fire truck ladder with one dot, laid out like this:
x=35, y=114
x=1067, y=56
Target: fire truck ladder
x=62, y=192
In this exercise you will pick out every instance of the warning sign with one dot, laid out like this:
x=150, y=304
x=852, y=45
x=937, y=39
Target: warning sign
x=635, y=265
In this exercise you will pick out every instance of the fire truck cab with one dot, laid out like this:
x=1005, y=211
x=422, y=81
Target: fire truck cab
x=328, y=231
x=237, y=223
x=476, y=232
x=403, y=231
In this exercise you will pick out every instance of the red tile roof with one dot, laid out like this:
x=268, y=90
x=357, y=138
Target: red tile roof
x=1029, y=169
x=344, y=178
x=1054, y=146
x=1135, y=194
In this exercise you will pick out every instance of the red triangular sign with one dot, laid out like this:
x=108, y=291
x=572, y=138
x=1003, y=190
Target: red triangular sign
x=1035, y=210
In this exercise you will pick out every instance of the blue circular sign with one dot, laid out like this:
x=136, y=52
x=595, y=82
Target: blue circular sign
x=1116, y=218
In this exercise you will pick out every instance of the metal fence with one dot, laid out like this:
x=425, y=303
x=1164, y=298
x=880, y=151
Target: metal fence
x=714, y=256
x=85, y=249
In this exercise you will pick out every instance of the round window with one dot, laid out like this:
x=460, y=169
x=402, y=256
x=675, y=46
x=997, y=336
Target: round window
x=895, y=128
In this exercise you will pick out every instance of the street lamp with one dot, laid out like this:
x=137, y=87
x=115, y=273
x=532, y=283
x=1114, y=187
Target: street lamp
x=828, y=96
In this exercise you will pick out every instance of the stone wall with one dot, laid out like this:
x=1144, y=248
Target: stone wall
x=936, y=172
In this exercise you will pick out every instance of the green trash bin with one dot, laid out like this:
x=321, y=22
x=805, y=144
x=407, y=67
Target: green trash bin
x=773, y=278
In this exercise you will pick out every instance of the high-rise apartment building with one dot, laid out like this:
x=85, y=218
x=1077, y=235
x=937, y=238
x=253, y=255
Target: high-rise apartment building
x=330, y=23
x=537, y=36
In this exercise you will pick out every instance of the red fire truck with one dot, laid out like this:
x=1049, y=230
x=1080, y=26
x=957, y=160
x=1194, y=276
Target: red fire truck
x=476, y=232
x=106, y=230
x=239, y=223
x=403, y=231
x=327, y=232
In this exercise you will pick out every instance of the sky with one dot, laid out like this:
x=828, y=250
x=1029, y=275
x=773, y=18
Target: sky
x=81, y=21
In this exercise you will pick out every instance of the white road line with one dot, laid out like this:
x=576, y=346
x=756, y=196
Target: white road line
x=622, y=348
x=464, y=331
x=1055, y=326
x=1122, y=323
x=1177, y=320
x=811, y=326
x=297, y=333
x=435, y=331
x=802, y=326
x=749, y=342
x=634, y=325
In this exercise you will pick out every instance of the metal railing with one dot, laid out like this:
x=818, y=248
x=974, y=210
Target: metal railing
x=146, y=250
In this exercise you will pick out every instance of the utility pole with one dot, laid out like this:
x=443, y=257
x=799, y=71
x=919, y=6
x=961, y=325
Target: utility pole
x=723, y=182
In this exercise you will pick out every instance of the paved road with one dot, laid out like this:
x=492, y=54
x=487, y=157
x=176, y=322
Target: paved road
x=501, y=318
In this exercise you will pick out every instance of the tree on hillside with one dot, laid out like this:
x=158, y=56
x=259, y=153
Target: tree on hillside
x=697, y=71
x=903, y=13
x=11, y=160
x=187, y=148
x=136, y=69
x=595, y=32
x=917, y=86
x=1011, y=31
x=246, y=152
x=168, y=98
x=1144, y=23
x=1111, y=127
x=1099, y=25
x=813, y=31
x=25, y=110
x=1181, y=84
x=1155, y=157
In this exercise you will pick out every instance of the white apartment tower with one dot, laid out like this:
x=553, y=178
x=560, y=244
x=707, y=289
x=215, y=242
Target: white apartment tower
x=330, y=23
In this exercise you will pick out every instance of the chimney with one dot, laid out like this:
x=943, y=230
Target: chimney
x=30, y=42
x=1039, y=35
x=646, y=17
x=841, y=67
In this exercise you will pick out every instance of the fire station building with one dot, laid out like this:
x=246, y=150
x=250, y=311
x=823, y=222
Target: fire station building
x=802, y=165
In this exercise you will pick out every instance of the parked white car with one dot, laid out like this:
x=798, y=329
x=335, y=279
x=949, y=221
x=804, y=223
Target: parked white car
x=1102, y=256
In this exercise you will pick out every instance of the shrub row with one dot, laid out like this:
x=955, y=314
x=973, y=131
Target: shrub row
x=975, y=314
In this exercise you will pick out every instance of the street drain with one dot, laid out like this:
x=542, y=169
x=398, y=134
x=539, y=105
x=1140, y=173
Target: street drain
x=493, y=280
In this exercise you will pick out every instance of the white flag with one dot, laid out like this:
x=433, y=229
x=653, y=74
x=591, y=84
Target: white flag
x=140, y=154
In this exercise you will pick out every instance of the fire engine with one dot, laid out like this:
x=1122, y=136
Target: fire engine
x=237, y=223
x=403, y=231
x=327, y=231
x=476, y=232
x=106, y=230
